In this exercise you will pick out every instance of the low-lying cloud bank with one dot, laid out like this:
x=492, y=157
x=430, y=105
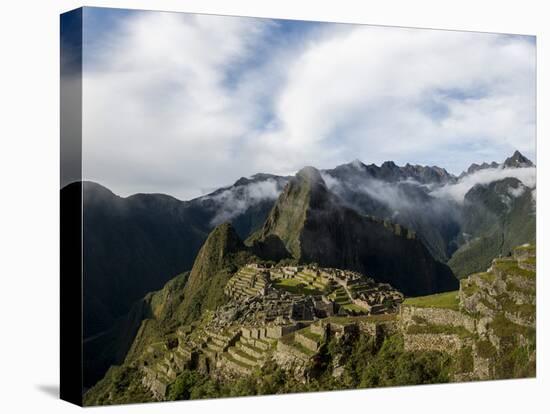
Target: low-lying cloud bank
x=392, y=195
x=236, y=200
x=458, y=190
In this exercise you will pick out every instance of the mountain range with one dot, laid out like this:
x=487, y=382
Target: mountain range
x=416, y=227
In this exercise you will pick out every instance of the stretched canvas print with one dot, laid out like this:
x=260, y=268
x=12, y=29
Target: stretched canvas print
x=261, y=206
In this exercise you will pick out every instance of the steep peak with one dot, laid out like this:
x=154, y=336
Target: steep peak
x=389, y=164
x=222, y=251
x=242, y=181
x=310, y=174
x=310, y=181
x=305, y=192
x=357, y=163
x=223, y=239
x=221, y=242
x=517, y=160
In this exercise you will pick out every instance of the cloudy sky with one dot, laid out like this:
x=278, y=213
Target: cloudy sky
x=182, y=104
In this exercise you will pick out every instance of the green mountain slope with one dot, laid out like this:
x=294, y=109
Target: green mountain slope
x=220, y=256
x=183, y=299
x=150, y=317
x=497, y=217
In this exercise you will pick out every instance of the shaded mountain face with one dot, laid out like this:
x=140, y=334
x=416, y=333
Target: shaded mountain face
x=130, y=333
x=221, y=255
x=134, y=245
x=404, y=196
x=314, y=225
x=181, y=300
x=131, y=246
x=496, y=217
x=428, y=200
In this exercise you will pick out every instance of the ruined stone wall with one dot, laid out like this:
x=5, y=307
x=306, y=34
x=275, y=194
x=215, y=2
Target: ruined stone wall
x=449, y=343
x=278, y=331
x=435, y=316
x=307, y=342
x=291, y=361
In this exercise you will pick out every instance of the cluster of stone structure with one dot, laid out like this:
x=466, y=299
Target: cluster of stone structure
x=264, y=322
x=337, y=288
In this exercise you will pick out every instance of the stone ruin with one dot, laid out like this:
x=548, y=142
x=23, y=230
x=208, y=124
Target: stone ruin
x=262, y=321
x=337, y=288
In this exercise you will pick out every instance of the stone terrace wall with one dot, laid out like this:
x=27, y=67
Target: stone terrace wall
x=449, y=343
x=436, y=316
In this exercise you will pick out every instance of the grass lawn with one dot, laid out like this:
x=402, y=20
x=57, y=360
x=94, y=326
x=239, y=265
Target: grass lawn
x=510, y=267
x=296, y=286
x=447, y=300
x=354, y=307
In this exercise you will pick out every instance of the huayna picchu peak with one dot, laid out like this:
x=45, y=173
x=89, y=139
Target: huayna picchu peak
x=316, y=226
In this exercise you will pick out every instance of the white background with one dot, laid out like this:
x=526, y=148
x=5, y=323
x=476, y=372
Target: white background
x=29, y=192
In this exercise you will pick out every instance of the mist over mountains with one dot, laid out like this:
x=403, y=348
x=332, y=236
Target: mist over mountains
x=314, y=226
x=134, y=245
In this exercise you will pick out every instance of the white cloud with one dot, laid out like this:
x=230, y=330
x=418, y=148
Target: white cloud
x=516, y=192
x=457, y=191
x=157, y=114
x=161, y=116
x=234, y=201
x=372, y=92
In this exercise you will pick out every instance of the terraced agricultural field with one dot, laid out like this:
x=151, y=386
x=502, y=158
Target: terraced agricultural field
x=446, y=300
x=296, y=286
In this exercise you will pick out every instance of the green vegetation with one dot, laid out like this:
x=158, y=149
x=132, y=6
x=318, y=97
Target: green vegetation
x=365, y=365
x=486, y=349
x=313, y=336
x=121, y=382
x=365, y=318
x=390, y=365
x=354, y=308
x=287, y=218
x=529, y=247
x=340, y=296
x=447, y=300
x=511, y=267
x=514, y=357
x=526, y=310
x=464, y=360
x=220, y=257
x=487, y=277
x=148, y=319
x=296, y=286
x=495, y=228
